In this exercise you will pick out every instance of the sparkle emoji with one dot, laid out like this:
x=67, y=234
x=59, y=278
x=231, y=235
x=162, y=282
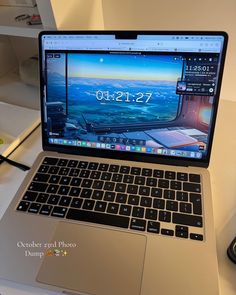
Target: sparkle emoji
x=64, y=253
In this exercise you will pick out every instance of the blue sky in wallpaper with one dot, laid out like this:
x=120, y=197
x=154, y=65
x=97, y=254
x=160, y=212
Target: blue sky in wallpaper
x=121, y=66
x=116, y=88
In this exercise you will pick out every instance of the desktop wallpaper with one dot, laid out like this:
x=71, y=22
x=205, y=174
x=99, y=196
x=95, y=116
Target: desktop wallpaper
x=125, y=99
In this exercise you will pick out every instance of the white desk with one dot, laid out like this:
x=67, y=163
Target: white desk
x=223, y=178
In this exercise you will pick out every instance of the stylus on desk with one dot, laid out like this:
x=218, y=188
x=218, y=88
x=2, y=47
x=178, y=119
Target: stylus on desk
x=14, y=163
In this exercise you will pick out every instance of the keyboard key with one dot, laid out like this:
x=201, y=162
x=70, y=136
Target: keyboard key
x=133, y=200
x=86, y=183
x=151, y=214
x=168, y=194
x=93, y=166
x=112, y=208
x=74, y=172
x=45, y=210
x=86, y=193
x=30, y=196
x=138, y=212
x=176, y=185
x=65, y=201
x=146, y=202
x=109, y=196
x=138, y=224
x=41, y=177
x=88, y=204
x=159, y=204
x=42, y=198
x=172, y=205
x=144, y=191
x=97, y=217
x=132, y=189
x=34, y=208
x=181, y=231
x=124, y=169
x=158, y=173
x=196, y=237
x=72, y=163
x=185, y=219
x=103, y=167
x=43, y=169
x=106, y=176
x=192, y=187
x=182, y=176
x=182, y=196
x=63, y=190
x=135, y=171
x=38, y=186
x=84, y=173
x=117, y=177
x=95, y=174
x=75, y=181
x=63, y=171
x=121, y=198
x=120, y=187
x=167, y=232
x=65, y=180
x=185, y=207
x=98, y=184
x=163, y=183
x=125, y=210
x=53, y=170
x=53, y=199
x=194, y=178
x=76, y=203
x=59, y=211
x=181, y=235
x=97, y=195
x=164, y=216
x=170, y=175
x=100, y=206
x=128, y=179
x=146, y=172
x=139, y=180
x=109, y=186
x=197, y=203
x=83, y=164
x=54, y=179
x=156, y=192
x=153, y=227
x=50, y=161
x=74, y=191
x=114, y=168
x=52, y=188
x=23, y=206
x=62, y=162
x=151, y=182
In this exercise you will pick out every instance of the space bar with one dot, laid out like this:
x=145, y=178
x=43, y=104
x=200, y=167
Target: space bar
x=95, y=217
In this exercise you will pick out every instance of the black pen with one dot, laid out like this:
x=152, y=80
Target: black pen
x=14, y=163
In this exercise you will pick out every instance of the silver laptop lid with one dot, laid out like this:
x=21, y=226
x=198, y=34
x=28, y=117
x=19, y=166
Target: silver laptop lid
x=144, y=96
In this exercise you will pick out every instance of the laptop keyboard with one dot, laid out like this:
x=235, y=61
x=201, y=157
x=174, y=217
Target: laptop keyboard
x=151, y=200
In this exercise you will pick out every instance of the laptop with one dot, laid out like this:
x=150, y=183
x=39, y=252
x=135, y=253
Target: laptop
x=119, y=201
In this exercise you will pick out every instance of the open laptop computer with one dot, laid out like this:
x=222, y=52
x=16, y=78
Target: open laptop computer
x=119, y=201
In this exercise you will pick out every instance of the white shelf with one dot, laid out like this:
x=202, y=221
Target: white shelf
x=14, y=91
x=8, y=25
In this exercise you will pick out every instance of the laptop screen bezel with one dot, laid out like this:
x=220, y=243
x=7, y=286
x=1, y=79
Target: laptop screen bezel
x=123, y=155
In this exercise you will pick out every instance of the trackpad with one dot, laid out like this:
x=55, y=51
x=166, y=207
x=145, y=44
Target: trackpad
x=103, y=262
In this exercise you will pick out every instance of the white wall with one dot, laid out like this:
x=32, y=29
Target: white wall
x=179, y=15
x=155, y=15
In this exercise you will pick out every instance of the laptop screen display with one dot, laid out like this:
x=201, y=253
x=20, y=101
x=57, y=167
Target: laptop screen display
x=153, y=95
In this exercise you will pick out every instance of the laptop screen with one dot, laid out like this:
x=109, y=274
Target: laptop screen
x=155, y=94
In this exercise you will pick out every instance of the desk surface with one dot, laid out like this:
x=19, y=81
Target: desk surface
x=223, y=181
